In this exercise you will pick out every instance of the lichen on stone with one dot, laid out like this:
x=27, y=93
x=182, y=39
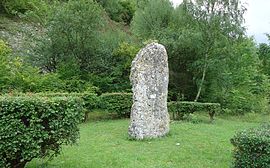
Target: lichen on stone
x=149, y=78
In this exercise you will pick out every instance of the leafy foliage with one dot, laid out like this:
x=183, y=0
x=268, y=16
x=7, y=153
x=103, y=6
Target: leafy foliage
x=89, y=100
x=16, y=7
x=72, y=36
x=252, y=147
x=16, y=75
x=4, y=69
x=154, y=17
x=239, y=85
x=123, y=56
x=210, y=58
x=264, y=54
x=35, y=10
x=87, y=48
x=33, y=127
x=119, y=10
x=79, y=46
x=117, y=102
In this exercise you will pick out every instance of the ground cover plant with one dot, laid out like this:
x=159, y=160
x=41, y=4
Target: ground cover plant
x=106, y=144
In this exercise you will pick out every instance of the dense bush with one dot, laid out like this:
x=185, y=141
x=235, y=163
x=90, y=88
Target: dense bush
x=155, y=16
x=252, y=148
x=16, y=7
x=122, y=57
x=241, y=102
x=117, y=102
x=264, y=55
x=16, y=75
x=79, y=45
x=35, y=10
x=206, y=62
x=72, y=38
x=119, y=10
x=89, y=100
x=180, y=109
x=4, y=68
x=243, y=88
x=35, y=127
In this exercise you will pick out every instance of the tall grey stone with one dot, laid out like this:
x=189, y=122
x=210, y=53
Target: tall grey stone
x=149, y=78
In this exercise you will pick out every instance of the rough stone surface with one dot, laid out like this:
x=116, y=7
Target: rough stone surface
x=149, y=78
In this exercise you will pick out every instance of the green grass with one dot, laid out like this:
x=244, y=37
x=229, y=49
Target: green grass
x=106, y=144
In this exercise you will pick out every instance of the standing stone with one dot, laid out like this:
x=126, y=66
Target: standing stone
x=149, y=78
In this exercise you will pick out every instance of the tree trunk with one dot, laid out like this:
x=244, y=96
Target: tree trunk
x=203, y=78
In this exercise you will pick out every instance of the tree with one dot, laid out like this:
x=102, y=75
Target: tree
x=79, y=46
x=193, y=33
x=216, y=20
x=264, y=54
x=123, y=56
x=154, y=17
x=72, y=36
x=242, y=87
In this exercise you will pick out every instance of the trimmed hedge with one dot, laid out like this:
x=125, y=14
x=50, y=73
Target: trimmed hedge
x=35, y=127
x=121, y=103
x=117, y=102
x=180, y=109
x=252, y=148
x=90, y=100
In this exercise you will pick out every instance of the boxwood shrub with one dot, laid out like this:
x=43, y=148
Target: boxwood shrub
x=89, y=100
x=180, y=109
x=252, y=148
x=117, y=102
x=35, y=127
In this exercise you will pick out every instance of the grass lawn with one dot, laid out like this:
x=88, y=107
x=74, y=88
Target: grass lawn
x=106, y=144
